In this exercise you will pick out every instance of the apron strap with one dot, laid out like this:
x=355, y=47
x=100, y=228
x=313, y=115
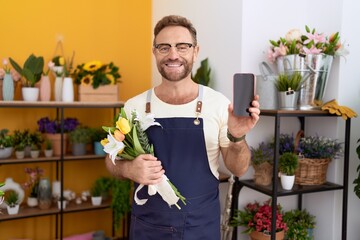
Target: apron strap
x=198, y=104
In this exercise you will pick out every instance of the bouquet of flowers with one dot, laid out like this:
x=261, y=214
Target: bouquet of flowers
x=95, y=73
x=311, y=42
x=127, y=140
x=257, y=217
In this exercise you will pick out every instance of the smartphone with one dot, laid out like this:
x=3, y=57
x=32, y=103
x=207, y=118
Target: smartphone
x=243, y=93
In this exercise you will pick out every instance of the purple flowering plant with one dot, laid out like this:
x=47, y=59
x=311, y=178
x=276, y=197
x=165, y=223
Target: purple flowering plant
x=286, y=143
x=45, y=125
x=263, y=153
x=319, y=147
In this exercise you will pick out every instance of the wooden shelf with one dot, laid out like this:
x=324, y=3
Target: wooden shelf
x=53, y=104
x=13, y=160
x=27, y=212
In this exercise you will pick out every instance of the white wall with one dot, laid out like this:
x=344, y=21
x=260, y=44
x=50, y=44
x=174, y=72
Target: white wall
x=234, y=35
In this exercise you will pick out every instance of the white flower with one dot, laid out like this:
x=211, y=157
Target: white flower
x=146, y=121
x=163, y=188
x=293, y=34
x=113, y=147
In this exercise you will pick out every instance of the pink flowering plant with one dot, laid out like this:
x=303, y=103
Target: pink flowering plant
x=34, y=175
x=312, y=42
x=257, y=217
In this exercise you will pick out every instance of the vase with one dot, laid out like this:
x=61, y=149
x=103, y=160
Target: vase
x=32, y=201
x=56, y=189
x=78, y=149
x=8, y=88
x=30, y=94
x=45, y=88
x=14, y=186
x=68, y=90
x=44, y=193
x=314, y=69
x=287, y=182
x=99, y=149
x=48, y=152
x=262, y=236
x=62, y=204
x=56, y=142
x=58, y=88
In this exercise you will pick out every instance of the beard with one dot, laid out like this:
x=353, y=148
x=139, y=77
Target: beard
x=175, y=76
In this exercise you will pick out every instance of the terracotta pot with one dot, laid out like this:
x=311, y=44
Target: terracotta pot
x=56, y=143
x=262, y=236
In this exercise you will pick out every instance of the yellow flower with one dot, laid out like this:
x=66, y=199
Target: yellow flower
x=118, y=135
x=104, y=141
x=92, y=66
x=111, y=78
x=123, y=125
x=87, y=80
x=61, y=61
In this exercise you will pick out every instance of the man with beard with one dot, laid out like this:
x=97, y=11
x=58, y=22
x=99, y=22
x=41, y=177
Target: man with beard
x=197, y=124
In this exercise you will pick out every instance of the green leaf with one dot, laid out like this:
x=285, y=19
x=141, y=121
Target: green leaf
x=16, y=66
x=137, y=145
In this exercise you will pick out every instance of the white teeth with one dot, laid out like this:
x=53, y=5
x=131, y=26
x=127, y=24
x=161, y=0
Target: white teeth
x=173, y=65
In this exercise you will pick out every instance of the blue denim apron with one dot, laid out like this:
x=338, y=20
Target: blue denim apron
x=180, y=145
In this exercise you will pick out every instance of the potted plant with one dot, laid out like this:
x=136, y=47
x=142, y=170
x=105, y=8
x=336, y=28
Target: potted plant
x=1, y=194
x=97, y=135
x=34, y=175
x=36, y=140
x=96, y=192
x=12, y=202
x=120, y=201
x=79, y=138
x=288, y=162
x=316, y=152
x=20, y=150
x=262, y=161
x=288, y=87
x=22, y=138
x=52, y=131
x=48, y=151
x=31, y=71
x=300, y=224
x=256, y=218
x=6, y=144
x=202, y=75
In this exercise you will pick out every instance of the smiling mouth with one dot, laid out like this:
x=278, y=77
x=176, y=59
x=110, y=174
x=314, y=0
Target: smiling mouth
x=173, y=65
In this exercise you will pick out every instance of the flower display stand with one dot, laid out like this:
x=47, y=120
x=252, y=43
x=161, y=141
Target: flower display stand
x=107, y=93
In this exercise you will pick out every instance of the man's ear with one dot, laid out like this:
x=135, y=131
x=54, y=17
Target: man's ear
x=196, y=52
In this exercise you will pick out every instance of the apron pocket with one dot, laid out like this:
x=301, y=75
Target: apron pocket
x=143, y=230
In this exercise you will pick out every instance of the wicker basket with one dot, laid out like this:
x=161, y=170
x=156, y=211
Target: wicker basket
x=263, y=174
x=311, y=171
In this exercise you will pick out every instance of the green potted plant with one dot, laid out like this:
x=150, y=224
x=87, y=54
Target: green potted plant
x=95, y=192
x=19, y=150
x=262, y=161
x=202, y=75
x=120, y=201
x=79, y=138
x=1, y=194
x=6, y=144
x=22, y=138
x=300, y=224
x=48, y=151
x=36, y=141
x=98, y=134
x=12, y=202
x=31, y=71
x=288, y=162
x=288, y=87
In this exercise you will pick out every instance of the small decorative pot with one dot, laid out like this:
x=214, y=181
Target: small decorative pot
x=6, y=152
x=30, y=94
x=287, y=182
x=48, y=153
x=13, y=210
x=288, y=100
x=96, y=201
x=20, y=154
x=262, y=236
x=34, y=153
x=63, y=202
x=32, y=201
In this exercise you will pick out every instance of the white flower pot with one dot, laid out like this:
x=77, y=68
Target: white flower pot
x=64, y=203
x=48, y=153
x=96, y=201
x=34, y=153
x=6, y=152
x=30, y=94
x=32, y=201
x=20, y=154
x=13, y=210
x=287, y=182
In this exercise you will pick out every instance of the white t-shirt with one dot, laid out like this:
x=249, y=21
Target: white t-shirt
x=214, y=113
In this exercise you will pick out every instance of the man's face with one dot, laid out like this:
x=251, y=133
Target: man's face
x=175, y=65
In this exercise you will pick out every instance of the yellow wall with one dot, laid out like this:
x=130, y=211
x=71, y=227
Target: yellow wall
x=107, y=30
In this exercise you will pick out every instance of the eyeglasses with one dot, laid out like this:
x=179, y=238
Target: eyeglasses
x=181, y=48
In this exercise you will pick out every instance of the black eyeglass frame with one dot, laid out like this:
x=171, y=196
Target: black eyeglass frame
x=190, y=45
